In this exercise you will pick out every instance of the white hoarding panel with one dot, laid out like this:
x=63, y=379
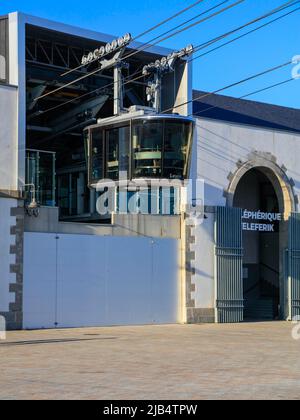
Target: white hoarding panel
x=39, y=290
x=80, y=280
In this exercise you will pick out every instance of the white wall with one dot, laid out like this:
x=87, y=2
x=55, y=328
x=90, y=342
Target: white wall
x=6, y=240
x=217, y=148
x=8, y=138
x=220, y=145
x=81, y=280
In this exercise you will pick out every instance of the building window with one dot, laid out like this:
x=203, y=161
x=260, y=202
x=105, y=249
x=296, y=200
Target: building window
x=97, y=154
x=117, y=152
x=147, y=140
x=73, y=194
x=3, y=50
x=177, y=139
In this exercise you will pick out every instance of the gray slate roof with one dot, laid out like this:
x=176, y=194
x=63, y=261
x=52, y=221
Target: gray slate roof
x=241, y=111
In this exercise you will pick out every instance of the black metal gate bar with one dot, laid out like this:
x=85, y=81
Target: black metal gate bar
x=229, y=265
x=294, y=265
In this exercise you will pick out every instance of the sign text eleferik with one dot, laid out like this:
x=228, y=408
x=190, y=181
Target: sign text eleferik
x=259, y=221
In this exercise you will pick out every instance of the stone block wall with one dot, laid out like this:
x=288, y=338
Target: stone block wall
x=11, y=270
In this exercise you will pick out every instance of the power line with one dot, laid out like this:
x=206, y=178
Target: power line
x=247, y=79
x=284, y=82
x=142, y=34
x=154, y=39
x=167, y=20
x=147, y=46
x=178, y=26
x=212, y=93
x=248, y=95
x=130, y=80
x=208, y=43
x=245, y=96
x=150, y=43
x=137, y=51
x=188, y=21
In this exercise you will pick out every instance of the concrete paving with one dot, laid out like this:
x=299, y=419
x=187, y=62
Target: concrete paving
x=242, y=361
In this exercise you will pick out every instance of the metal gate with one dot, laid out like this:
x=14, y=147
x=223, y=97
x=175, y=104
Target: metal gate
x=229, y=265
x=294, y=266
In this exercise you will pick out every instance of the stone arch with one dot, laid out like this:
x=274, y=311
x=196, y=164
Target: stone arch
x=267, y=164
x=287, y=200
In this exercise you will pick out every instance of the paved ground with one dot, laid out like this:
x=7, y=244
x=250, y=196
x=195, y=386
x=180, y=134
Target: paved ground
x=253, y=361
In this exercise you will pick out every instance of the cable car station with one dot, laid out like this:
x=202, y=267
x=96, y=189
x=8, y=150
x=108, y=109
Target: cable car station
x=102, y=223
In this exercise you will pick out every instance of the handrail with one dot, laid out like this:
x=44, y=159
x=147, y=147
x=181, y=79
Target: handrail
x=252, y=288
x=269, y=268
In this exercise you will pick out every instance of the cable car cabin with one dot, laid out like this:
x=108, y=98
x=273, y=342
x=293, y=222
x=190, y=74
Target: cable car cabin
x=139, y=145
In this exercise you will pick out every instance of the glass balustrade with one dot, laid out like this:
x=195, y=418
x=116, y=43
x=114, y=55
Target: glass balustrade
x=40, y=172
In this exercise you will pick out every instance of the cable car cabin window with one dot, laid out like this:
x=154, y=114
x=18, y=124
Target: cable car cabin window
x=124, y=150
x=147, y=149
x=177, y=139
x=97, y=154
x=117, y=152
x=140, y=148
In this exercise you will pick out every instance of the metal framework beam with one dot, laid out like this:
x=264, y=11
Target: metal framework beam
x=53, y=53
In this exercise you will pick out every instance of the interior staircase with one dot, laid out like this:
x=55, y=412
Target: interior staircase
x=260, y=300
x=259, y=308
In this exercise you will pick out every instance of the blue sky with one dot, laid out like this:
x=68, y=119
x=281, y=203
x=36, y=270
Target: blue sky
x=268, y=47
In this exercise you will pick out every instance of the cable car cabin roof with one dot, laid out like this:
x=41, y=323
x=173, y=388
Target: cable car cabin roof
x=144, y=114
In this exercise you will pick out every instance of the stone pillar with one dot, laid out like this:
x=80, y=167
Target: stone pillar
x=198, y=309
x=14, y=261
x=190, y=272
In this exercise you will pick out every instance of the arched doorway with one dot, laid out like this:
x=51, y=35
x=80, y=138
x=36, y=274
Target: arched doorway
x=255, y=192
x=265, y=166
